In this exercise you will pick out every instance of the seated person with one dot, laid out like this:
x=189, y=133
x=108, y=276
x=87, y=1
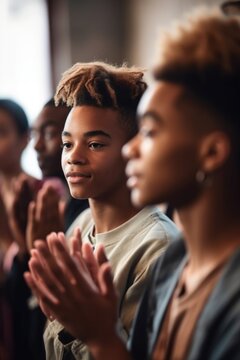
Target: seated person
x=186, y=153
x=104, y=100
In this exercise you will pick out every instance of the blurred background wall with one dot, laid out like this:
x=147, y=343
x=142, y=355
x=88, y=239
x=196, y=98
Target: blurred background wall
x=39, y=39
x=111, y=30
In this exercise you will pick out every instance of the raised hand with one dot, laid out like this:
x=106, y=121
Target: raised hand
x=18, y=210
x=92, y=260
x=24, y=194
x=45, y=214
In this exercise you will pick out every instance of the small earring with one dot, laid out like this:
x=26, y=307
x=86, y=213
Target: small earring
x=200, y=176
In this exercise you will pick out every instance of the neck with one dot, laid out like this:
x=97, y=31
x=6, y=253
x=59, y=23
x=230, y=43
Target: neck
x=211, y=229
x=108, y=215
x=10, y=173
x=7, y=186
x=7, y=177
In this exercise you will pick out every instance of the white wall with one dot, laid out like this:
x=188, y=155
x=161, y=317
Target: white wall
x=145, y=17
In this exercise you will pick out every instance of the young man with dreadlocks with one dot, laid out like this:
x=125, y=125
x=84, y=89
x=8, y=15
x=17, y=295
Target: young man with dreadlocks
x=104, y=100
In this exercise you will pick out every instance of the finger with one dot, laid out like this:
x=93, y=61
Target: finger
x=62, y=239
x=35, y=254
x=43, y=275
x=74, y=268
x=62, y=207
x=100, y=254
x=59, y=249
x=22, y=198
x=75, y=241
x=47, y=302
x=49, y=236
x=60, y=265
x=31, y=283
x=49, y=265
x=90, y=260
x=106, y=284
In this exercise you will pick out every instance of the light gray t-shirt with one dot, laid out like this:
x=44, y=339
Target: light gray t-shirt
x=131, y=249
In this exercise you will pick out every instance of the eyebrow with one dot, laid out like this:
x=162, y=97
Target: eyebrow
x=47, y=123
x=150, y=114
x=90, y=134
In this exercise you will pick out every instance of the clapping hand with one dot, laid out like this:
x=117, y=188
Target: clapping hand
x=75, y=288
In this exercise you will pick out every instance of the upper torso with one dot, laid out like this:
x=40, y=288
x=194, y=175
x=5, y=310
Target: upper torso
x=216, y=331
x=131, y=248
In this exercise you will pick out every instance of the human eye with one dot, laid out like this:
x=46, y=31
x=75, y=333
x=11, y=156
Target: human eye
x=146, y=131
x=66, y=145
x=50, y=132
x=94, y=145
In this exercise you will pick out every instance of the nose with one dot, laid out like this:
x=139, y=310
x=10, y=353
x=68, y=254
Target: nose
x=38, y=142
x=76, y=156
x=130, y=149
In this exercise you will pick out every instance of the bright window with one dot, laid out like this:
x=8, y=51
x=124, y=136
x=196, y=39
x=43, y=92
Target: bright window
x=25, y=60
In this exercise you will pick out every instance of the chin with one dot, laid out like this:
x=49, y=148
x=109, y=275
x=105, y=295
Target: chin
x=77, y=195
x=140, y=200
x=136, y=198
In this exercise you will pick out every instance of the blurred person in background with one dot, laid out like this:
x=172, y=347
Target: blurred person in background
x=14, y=137
x=46, y=134
x=35, y=212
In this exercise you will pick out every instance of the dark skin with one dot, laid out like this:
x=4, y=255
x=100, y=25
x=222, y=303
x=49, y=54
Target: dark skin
x=206, y=219
x=12, y=143
x=6, y=234
x=46, y=134
x=29, y=220
x=93, y=165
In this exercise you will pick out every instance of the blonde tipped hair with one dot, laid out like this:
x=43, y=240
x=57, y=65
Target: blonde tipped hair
x=100, y=84
x=207, y=39
x=105, y=86
x=203, y=55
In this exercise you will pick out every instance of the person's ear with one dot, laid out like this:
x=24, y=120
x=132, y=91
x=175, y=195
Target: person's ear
x=215, y=151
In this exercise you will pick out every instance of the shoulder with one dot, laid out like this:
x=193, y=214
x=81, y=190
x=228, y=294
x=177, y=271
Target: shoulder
x=152, y=218
x=155, y=229
x=83, y=221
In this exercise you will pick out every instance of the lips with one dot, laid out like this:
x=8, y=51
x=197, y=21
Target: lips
x=132, y=175
x=75, y=177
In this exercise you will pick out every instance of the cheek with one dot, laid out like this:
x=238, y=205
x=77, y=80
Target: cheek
x=150, y=157
x=9, y=147
x=54, y=148
x=112, y=169
x=165, y=169
x=63, y=161
x=147, y=146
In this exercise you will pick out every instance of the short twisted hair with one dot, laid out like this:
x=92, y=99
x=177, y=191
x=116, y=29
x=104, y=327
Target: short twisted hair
x=105, y=86
x=203, y=54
